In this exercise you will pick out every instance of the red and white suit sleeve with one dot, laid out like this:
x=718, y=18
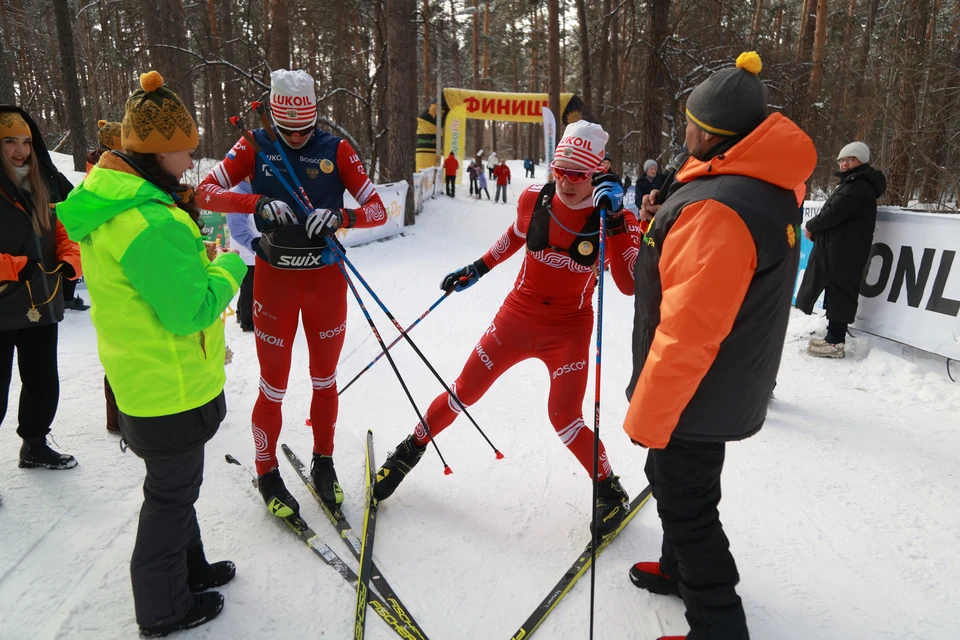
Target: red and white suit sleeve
x=622, y=250
x=516, y=236
x=214, y=193
x=372, y=212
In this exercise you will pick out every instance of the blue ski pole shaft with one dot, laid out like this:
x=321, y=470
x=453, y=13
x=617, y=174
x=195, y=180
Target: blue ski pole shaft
x=341, y=256
x=601, y=267
x=398, y=339
x=356, y=294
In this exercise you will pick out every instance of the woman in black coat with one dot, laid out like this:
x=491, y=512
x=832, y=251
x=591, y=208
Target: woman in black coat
x=36, y=257
x=842, y=235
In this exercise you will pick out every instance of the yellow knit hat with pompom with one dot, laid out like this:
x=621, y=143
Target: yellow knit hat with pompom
x=155, y=119
x=108, y=134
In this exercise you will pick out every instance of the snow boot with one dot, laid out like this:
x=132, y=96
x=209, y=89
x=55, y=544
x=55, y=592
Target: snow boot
x=647, y=575
x=397, y=466
x=76, y=304
x=278, y=500
x=612, y=505
x=325, y=480
x=201, y=575
x=35, y=452
x=823, y=349
x=206, y=607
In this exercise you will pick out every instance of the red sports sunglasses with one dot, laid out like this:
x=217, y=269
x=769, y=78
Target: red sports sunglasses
x=573, y=175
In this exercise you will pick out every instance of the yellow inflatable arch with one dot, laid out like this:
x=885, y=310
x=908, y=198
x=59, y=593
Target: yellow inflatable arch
x=460, y=105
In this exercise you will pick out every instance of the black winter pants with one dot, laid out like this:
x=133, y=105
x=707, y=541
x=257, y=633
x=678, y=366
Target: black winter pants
x=40, y=391
x=245, y=302
x=451, y=186
x=172, y=450
x=686, y=484
x=501, y=188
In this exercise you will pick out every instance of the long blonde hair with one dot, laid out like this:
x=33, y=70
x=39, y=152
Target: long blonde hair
x=38, y=190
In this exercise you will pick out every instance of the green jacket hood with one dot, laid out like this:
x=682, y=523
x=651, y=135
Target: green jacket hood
x=104, y=194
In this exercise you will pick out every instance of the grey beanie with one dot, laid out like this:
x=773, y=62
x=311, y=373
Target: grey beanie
x=648, y=164
x=857, y=150
x=731, y=102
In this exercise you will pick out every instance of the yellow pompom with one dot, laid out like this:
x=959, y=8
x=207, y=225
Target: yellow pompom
x=100, y=123
x=151, y=81
x=750, y=61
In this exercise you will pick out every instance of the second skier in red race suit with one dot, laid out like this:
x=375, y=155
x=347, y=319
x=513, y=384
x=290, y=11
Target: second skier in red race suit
x=291, y=278
x=549, y=313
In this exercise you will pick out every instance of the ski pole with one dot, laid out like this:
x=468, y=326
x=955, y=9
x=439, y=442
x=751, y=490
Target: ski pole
x=336, y=247
x=596, y=414
x=340, y=258
x=398, y=339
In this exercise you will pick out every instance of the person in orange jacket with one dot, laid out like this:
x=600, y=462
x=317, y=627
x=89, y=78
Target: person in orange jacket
x=450, y=166
x=35, y=257
x=715, y=276
x=502, y=174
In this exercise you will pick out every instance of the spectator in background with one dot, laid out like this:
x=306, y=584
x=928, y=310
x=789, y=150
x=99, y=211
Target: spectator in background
x=492, y=162
x=842, y=234
x=472, y=172
x=482, y=184
x=245, y=238
x=502, y=174
x=108, y=138
x=35, y=256
x=450, y=166
x=606, y=164
x=627, y=181
x=651, y=179
x=528, y=167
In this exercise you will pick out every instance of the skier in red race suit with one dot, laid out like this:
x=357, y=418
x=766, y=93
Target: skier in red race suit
x=549, y=313
x=290, y=277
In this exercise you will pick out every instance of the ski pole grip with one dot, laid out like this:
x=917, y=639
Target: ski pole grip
x=257, y=106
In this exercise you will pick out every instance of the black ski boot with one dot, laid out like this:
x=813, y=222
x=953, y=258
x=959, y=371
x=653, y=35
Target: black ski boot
x=206, y=607
x=201, y=575
x=35, y=452
x=397, y=466
x=612, y=505
x=325, y=480
x=278, y=500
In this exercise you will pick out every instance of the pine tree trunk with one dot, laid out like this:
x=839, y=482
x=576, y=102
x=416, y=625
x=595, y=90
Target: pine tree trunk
x=819, y=50
x=401, y=116
x=651, y=93
x=586, y=73
x=755, y=27
x=278, y=35
x=68, y=65
x=7, y=93
x=908, y=90
x=600, y=110
x=615, y=143
x=553, y=88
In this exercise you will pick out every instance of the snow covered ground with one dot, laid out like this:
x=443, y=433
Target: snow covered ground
x=843, y=512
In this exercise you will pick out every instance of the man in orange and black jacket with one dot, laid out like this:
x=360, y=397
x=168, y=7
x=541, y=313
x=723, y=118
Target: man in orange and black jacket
x=714, y=279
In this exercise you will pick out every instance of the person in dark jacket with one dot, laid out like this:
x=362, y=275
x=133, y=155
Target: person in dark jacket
x=714, y=279
x=35, y=257
x=842, y=234
x=651, y=179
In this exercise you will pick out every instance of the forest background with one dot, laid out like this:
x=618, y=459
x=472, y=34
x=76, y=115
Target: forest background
x=883, y=71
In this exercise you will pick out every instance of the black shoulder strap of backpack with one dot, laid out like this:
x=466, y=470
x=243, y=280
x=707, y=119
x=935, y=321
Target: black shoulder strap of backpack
x=538, y=234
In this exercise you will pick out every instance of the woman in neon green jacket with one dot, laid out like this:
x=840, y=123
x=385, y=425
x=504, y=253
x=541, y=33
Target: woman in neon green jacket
x=157, y=301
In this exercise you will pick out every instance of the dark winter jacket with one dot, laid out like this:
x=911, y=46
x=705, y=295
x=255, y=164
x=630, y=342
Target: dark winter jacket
x=714, y=278
x=842, y=237
x=18, y=240
x=645, y=185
